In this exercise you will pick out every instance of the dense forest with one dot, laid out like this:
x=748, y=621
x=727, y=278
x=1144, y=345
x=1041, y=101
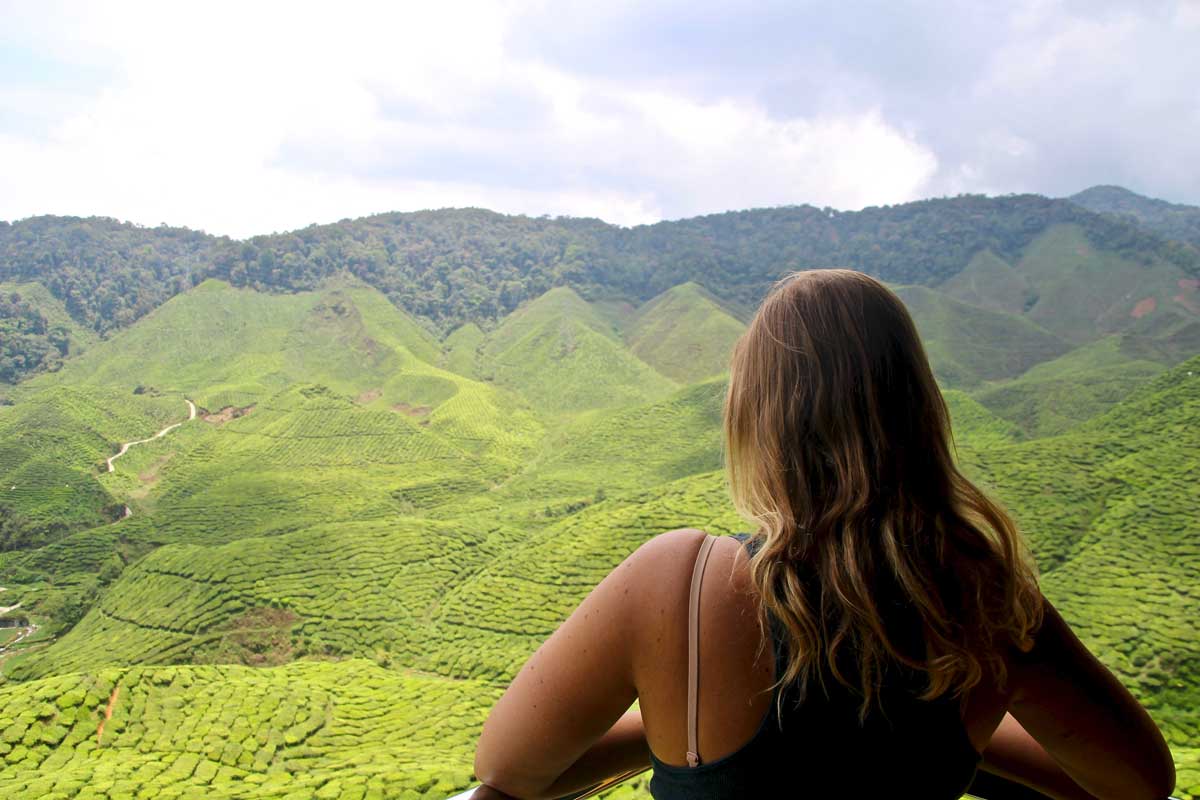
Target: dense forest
x=28, y=342
x=457, y=265
x=1172, y=220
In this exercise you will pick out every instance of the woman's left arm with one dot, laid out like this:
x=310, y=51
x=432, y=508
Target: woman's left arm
x=567, y=699
x=622, y=750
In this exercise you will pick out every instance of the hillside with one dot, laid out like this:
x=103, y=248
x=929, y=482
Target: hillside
x=1056, y=395
x=327, y=576
x=107, y=274
x=967, y=344
x=36, y=332
x=684, y=333
x=1171, y=220
x=560, y=354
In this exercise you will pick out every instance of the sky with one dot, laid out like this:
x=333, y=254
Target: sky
x=250, y=118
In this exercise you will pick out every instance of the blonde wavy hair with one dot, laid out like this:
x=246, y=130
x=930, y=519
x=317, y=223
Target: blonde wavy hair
x=875, y=551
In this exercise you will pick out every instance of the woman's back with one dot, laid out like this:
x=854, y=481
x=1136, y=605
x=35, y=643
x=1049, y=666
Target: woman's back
x=749, y=746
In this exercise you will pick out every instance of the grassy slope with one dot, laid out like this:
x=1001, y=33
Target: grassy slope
x=462, y=349
x=306, y=453
x=968, y=345
x=221, y=345
x=1083, y=293
x=311, y=730
x=1110, y=510
x=325, y=524
x=684, y=334
x=564, y=357
x=990, y=282
x=1056, y=395
x=53, y=445
x=976, y=427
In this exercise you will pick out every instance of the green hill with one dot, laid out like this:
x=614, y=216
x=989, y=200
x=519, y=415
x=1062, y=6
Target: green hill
x=1080, y=292
x=271, y=450
x=332, y=571
x=968, y=345
x=684, y=333
x=990, y=282
x=1083, y=292
x=1110, y=509
x=462, y=349
x=557, y=304
x=1172, y=220
x=562, y=356
x=975, y=427
x=216, y=340
x=52, y=449
x=1056, y=395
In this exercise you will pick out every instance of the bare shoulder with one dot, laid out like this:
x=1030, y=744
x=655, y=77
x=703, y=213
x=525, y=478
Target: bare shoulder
x=658, y=579
x=661, y=569
x=670, y=545
x=655, y=574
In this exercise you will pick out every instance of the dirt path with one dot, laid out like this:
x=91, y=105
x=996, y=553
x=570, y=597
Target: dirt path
x=125, y=447
x=25, y=634
x=108, y=709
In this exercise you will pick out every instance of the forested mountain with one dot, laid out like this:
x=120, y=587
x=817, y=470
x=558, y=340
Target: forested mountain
x=454, y=266
x=1170, y=220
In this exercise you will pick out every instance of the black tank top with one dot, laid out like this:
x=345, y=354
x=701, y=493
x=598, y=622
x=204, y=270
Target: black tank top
x=815, y=748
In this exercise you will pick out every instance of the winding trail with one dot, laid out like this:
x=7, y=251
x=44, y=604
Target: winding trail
x=32, y=627
x=125, y=447
x=25, y=634
x=26, y=631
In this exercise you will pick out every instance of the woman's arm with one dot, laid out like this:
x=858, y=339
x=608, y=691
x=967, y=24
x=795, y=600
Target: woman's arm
x=543, y=732
x=1087, y=722
x=1014, y=754
x=623, y=749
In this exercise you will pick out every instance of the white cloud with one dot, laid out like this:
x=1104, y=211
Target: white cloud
x=249, y=118
x=1078, y=94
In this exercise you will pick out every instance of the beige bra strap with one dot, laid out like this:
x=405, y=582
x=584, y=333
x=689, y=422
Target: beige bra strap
x=693, y=754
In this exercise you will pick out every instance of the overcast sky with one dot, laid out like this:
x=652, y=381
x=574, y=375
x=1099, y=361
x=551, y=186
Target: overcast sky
x=252, y=117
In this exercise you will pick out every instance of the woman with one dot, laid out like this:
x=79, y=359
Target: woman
x=880, y=635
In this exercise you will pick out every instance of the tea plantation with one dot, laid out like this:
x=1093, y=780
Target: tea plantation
x=319, y=585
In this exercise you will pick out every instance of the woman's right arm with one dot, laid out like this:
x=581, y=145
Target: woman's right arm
x=1086, y=720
